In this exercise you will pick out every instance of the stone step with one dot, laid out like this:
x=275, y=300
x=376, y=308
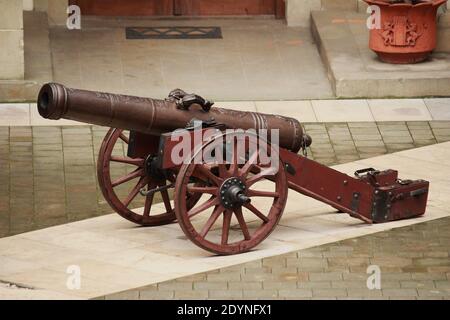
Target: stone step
x=355, y=71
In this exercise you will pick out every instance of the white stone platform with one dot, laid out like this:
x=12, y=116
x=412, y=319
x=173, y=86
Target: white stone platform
x=115, y=255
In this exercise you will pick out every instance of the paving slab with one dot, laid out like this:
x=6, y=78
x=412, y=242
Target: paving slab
x=300, y=109
x=116, y=256
x=337, y=110
x=395, y=109
x=17, y=114
x=439, y=108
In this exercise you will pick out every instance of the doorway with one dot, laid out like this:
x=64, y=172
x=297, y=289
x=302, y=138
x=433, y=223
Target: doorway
x=188, y=8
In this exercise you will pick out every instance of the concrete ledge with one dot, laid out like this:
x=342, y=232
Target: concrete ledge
x=18, y=90
x=355, y=71
x=116, y=256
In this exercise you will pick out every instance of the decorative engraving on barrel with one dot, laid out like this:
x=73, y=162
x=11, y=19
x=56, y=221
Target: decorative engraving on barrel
x=120, y=98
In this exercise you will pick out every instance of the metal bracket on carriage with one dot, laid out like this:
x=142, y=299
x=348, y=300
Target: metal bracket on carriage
x=306, y=142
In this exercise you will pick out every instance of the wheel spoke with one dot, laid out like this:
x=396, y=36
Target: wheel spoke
x=223, y=170
x=124, y=138
x=260, y=193
x=221, y=163
x=211, y=220
x=208, y=174
x=226, y=226
x=135, y=162
x=148, y=203
x=166, y=200
x=261, y=175
x=204, y=206
x=258, y=213
x=242, y=223
x=209, y=190
x=133, y=175
x=249, y=164
x=234, y=166
x=141, y=183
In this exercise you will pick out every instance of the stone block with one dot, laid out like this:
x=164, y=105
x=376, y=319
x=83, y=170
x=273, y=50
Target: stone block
x=57, y=12
x=11, y=15
x=340, y=5
x=12, y=59
x=298, y=12
x=361, y=6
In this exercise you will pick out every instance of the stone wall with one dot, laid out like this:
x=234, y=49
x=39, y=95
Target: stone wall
x=11, y=37
x=56, y=10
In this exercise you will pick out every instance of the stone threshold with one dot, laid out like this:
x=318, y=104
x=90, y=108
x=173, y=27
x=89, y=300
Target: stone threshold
x=352, y=110
x=116, y=256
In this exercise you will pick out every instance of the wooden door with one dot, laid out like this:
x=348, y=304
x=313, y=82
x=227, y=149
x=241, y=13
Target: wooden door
x=125, y=7
x=224, y=7
x=180, y=7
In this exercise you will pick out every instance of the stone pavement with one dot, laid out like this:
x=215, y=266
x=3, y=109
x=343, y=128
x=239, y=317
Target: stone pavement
x=414, y=263
x=117, y=257
x=48, y=174
x=256, y=59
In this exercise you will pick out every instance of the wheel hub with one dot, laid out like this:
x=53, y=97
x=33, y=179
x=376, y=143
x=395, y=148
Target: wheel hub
x=232, y=193
x=152, y=170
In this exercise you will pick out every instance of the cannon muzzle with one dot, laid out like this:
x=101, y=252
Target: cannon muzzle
x=153, y=116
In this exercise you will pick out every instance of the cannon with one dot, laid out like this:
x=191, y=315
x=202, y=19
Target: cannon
x=228, y=172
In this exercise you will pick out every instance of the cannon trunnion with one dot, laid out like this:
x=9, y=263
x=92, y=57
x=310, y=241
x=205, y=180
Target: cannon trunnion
x=228, y=180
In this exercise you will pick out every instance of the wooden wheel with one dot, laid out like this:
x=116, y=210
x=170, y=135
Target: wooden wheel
x=242, y=198
x=123, y=191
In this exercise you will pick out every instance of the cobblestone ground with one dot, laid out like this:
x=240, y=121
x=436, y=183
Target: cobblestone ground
x=48, y=175
x=414, y=263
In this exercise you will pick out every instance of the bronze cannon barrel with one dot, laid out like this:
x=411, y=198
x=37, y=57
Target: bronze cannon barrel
x=152, y=116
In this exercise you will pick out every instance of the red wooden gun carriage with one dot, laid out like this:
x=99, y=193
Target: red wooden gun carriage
x=217, y=172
